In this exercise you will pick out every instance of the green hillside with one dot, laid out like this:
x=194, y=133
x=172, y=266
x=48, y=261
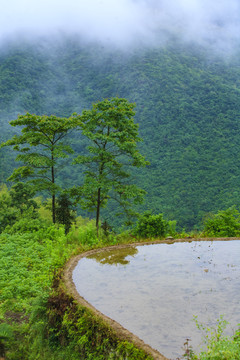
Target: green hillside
x=187, y=107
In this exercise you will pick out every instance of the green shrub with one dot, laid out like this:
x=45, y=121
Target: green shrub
x=151, y=226
x=25, y=225
x=225, y=223
x=65, y=213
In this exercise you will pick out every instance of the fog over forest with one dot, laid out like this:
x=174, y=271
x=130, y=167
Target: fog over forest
x=162, y=55
x=125, y=23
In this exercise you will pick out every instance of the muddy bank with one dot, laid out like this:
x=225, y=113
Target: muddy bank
x=121, y=332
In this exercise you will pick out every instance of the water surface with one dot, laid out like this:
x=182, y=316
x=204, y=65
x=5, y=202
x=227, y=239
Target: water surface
x=155, y=290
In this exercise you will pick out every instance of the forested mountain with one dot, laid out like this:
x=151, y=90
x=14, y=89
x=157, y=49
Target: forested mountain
x=187, y=107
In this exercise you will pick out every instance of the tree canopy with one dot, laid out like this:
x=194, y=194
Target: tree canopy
x=112, y=152
x=40, y=146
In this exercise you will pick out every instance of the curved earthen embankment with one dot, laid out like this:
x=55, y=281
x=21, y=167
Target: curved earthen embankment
x=122, y=333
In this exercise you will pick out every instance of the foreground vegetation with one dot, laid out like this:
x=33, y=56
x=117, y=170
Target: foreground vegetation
x=39, y=320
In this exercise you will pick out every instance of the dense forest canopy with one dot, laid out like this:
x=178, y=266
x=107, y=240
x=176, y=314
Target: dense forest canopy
x=187, y=107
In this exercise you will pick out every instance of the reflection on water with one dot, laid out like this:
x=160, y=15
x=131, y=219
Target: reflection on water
x=155, y=290
x=114, y=257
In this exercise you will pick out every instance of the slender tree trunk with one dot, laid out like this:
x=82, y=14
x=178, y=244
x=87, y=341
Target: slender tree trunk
x=98, y=209
x=53, y=194
x=99, y=195
x=53, y=208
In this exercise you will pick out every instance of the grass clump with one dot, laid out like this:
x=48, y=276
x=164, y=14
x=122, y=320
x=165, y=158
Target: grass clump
x=217, y=346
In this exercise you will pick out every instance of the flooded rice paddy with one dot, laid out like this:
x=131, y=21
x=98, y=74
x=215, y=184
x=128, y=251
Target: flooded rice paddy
x=155, y=290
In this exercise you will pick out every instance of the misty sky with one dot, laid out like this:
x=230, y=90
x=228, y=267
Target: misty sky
x=124, y=22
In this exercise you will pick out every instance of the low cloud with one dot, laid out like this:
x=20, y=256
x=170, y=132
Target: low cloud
x=125, y=22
